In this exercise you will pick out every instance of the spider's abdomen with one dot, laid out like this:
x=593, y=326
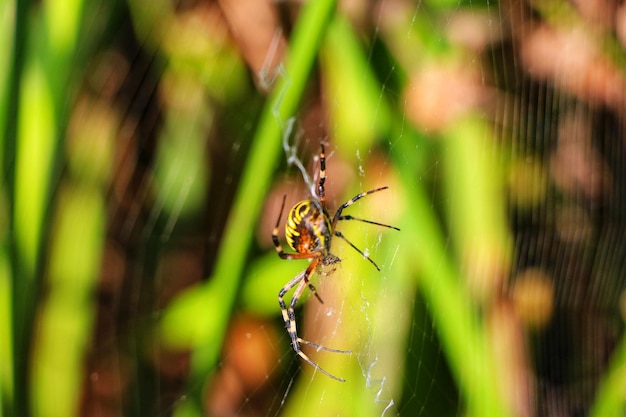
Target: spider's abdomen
x=308, y=228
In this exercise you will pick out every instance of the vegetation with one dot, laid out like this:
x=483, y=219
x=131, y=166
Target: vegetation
x=147, y=147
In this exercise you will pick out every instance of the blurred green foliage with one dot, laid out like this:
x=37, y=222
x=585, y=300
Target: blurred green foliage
x=141, y=159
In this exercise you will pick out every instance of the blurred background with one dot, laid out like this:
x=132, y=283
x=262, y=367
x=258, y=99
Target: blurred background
x=146, y=149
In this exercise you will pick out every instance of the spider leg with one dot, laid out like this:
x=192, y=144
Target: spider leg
x=290, y=323
x=320, y=347
x=289, y=317
x=337, y=217
x=349, y=217
x=352, y=201
x=339, y=234
x=320, y=187
x=290, y=256
x=312, y=289
x=296, y=340
x=319, y=368
x=288, y=314
x=277, y=245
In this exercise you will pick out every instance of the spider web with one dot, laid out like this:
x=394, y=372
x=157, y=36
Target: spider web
x=517, y=155
x=373, y=358
x=379, y=351
x=331, y=317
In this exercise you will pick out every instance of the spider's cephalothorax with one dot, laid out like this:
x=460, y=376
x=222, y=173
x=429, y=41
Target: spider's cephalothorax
x=308, y=228
x=309, y=232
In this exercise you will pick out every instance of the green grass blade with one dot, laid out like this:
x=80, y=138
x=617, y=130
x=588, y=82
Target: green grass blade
x=46, y=37
x=461, y=332
x=208, y=308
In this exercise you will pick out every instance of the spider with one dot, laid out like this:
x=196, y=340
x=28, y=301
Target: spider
x=309, y=231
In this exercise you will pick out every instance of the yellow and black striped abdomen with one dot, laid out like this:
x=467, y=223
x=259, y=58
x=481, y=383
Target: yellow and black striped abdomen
x=308, y=228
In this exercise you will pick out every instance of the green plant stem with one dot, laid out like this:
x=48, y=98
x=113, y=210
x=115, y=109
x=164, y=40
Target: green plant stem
x=266, y=145
x=263, y=157
x=460, y=330
x=48, y=33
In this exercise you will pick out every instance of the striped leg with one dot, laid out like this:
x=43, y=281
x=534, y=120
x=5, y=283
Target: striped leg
x=289, y=317
x=339, y=217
